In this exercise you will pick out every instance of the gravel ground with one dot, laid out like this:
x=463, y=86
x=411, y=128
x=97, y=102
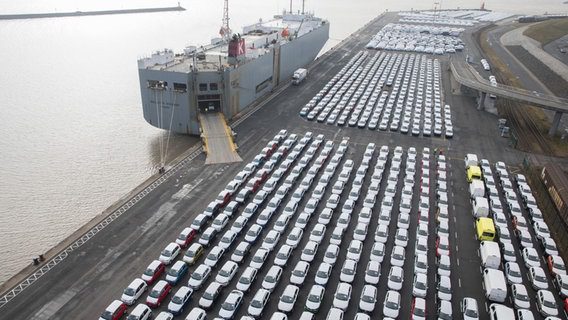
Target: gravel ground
x=556, y=84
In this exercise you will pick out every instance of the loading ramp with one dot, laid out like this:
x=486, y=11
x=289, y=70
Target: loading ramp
x=217, y=139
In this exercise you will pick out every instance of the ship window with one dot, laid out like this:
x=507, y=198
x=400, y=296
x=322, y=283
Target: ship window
x=157, y=84
x=180, y=87
x=203, y=87
x=213, y=86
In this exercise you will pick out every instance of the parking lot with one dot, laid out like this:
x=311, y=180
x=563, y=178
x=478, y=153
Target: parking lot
x=305, y=173
x=385, y=92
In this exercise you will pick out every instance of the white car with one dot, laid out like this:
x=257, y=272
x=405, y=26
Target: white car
x=179, y=300
x=368, y=298
x=420, y=285
x=214, y=256
x=420, y=263
x=271, y=240
x=331, y=254
x=170, y=252
x=294, y=237
x=418, y=309
x=220, y=222
x=259, y=258
x=391, y=306
x=337, y=236
x=397, y=256
x=323, y=273
x=395, y=279
x=354, y=250
x=444, y=266
x=240, y=252
x=513, y=273
x=309, y=252
x=134, y=290
x=378, y=252
x=343, y=220
x=247, y=278
x=444, y=287
x=228, y=239
x=282, y=222
x=210, y=295
x=469, y=309
x=299, y=273
x=258, y=303
x=253, y=233
x=325, y=216
x=302, y=220
x=317, y=234
x=239, y=224
x=272, y=278
x=360, y=232
x=382, y=233
x=342, y=296
x=537, y=278
x=288, y=298
x=348, y=271
x=365, y=216
x=199, y=276
x=401, y=238
x=315, y=298
x=283, y=255
x=373, y=272
x=403, y=221
x=231, y=304
x=227, y=273
x=531, y=257
x=546, y=303
x=520, y=296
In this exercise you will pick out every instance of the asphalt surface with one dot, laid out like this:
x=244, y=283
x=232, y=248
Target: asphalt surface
x=90, y=278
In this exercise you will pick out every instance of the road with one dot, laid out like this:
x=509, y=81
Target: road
x=83, y=284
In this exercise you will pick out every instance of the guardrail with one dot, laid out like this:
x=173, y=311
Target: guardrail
x=461, y=70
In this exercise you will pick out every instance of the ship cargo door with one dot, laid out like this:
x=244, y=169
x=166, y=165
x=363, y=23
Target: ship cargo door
x=276, y=66
x=209, y=102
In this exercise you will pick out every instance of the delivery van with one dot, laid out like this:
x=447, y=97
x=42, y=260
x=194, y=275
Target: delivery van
x=473, y=173
x=495, y=285
x=485, y=229
x=490, y=254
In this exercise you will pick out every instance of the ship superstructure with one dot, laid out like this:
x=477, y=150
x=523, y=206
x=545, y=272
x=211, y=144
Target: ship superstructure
x=229, y=74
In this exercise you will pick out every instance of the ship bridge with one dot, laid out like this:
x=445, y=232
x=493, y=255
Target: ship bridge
x=217, y=137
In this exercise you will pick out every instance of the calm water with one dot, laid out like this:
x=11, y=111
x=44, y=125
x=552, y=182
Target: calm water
x=73, y=139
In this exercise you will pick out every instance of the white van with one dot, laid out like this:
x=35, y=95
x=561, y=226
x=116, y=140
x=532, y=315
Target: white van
x=500, y=312
x=471, y=160
x=490, y=254
x=476, y=188
x=495, y=285
x=480, y=207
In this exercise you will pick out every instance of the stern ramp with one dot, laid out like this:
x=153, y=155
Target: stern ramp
x=217, y=139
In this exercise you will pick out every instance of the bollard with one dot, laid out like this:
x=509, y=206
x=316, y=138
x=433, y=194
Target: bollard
x=36, y=261
x=41, y=257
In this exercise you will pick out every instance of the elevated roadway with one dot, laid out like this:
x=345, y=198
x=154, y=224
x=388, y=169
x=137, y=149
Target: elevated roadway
x=217, y=139
x=467, y=76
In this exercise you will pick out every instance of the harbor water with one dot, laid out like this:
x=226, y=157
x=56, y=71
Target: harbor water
x=72, y=136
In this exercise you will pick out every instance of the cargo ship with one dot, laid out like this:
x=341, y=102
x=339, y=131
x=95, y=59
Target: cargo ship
x=229, y=74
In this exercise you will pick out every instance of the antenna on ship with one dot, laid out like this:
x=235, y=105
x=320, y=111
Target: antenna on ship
x=303, y=5
x=290, y=6
x=225, y=31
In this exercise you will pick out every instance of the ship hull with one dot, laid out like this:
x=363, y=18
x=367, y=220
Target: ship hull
x=230, y=91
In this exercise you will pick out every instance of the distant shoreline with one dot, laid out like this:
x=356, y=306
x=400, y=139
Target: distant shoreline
x=86, y=13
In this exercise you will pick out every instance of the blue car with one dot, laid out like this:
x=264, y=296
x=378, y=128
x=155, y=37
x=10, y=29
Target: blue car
x=176, y=272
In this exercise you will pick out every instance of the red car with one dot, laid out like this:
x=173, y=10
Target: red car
x=566, y=305
x=185, y=237
x=158, y=294
x=153, y=272
x=114, y=311
x=253, y=184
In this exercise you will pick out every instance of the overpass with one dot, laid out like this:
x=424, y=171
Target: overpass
x=467, y=76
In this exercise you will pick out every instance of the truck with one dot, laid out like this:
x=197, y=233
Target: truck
x=490, y=254
x=495, y=285
x=476, y=188
x=480, y=207
x=299, y=76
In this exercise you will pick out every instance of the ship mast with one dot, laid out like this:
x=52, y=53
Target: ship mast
x=303, y=5
x=225, y=31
